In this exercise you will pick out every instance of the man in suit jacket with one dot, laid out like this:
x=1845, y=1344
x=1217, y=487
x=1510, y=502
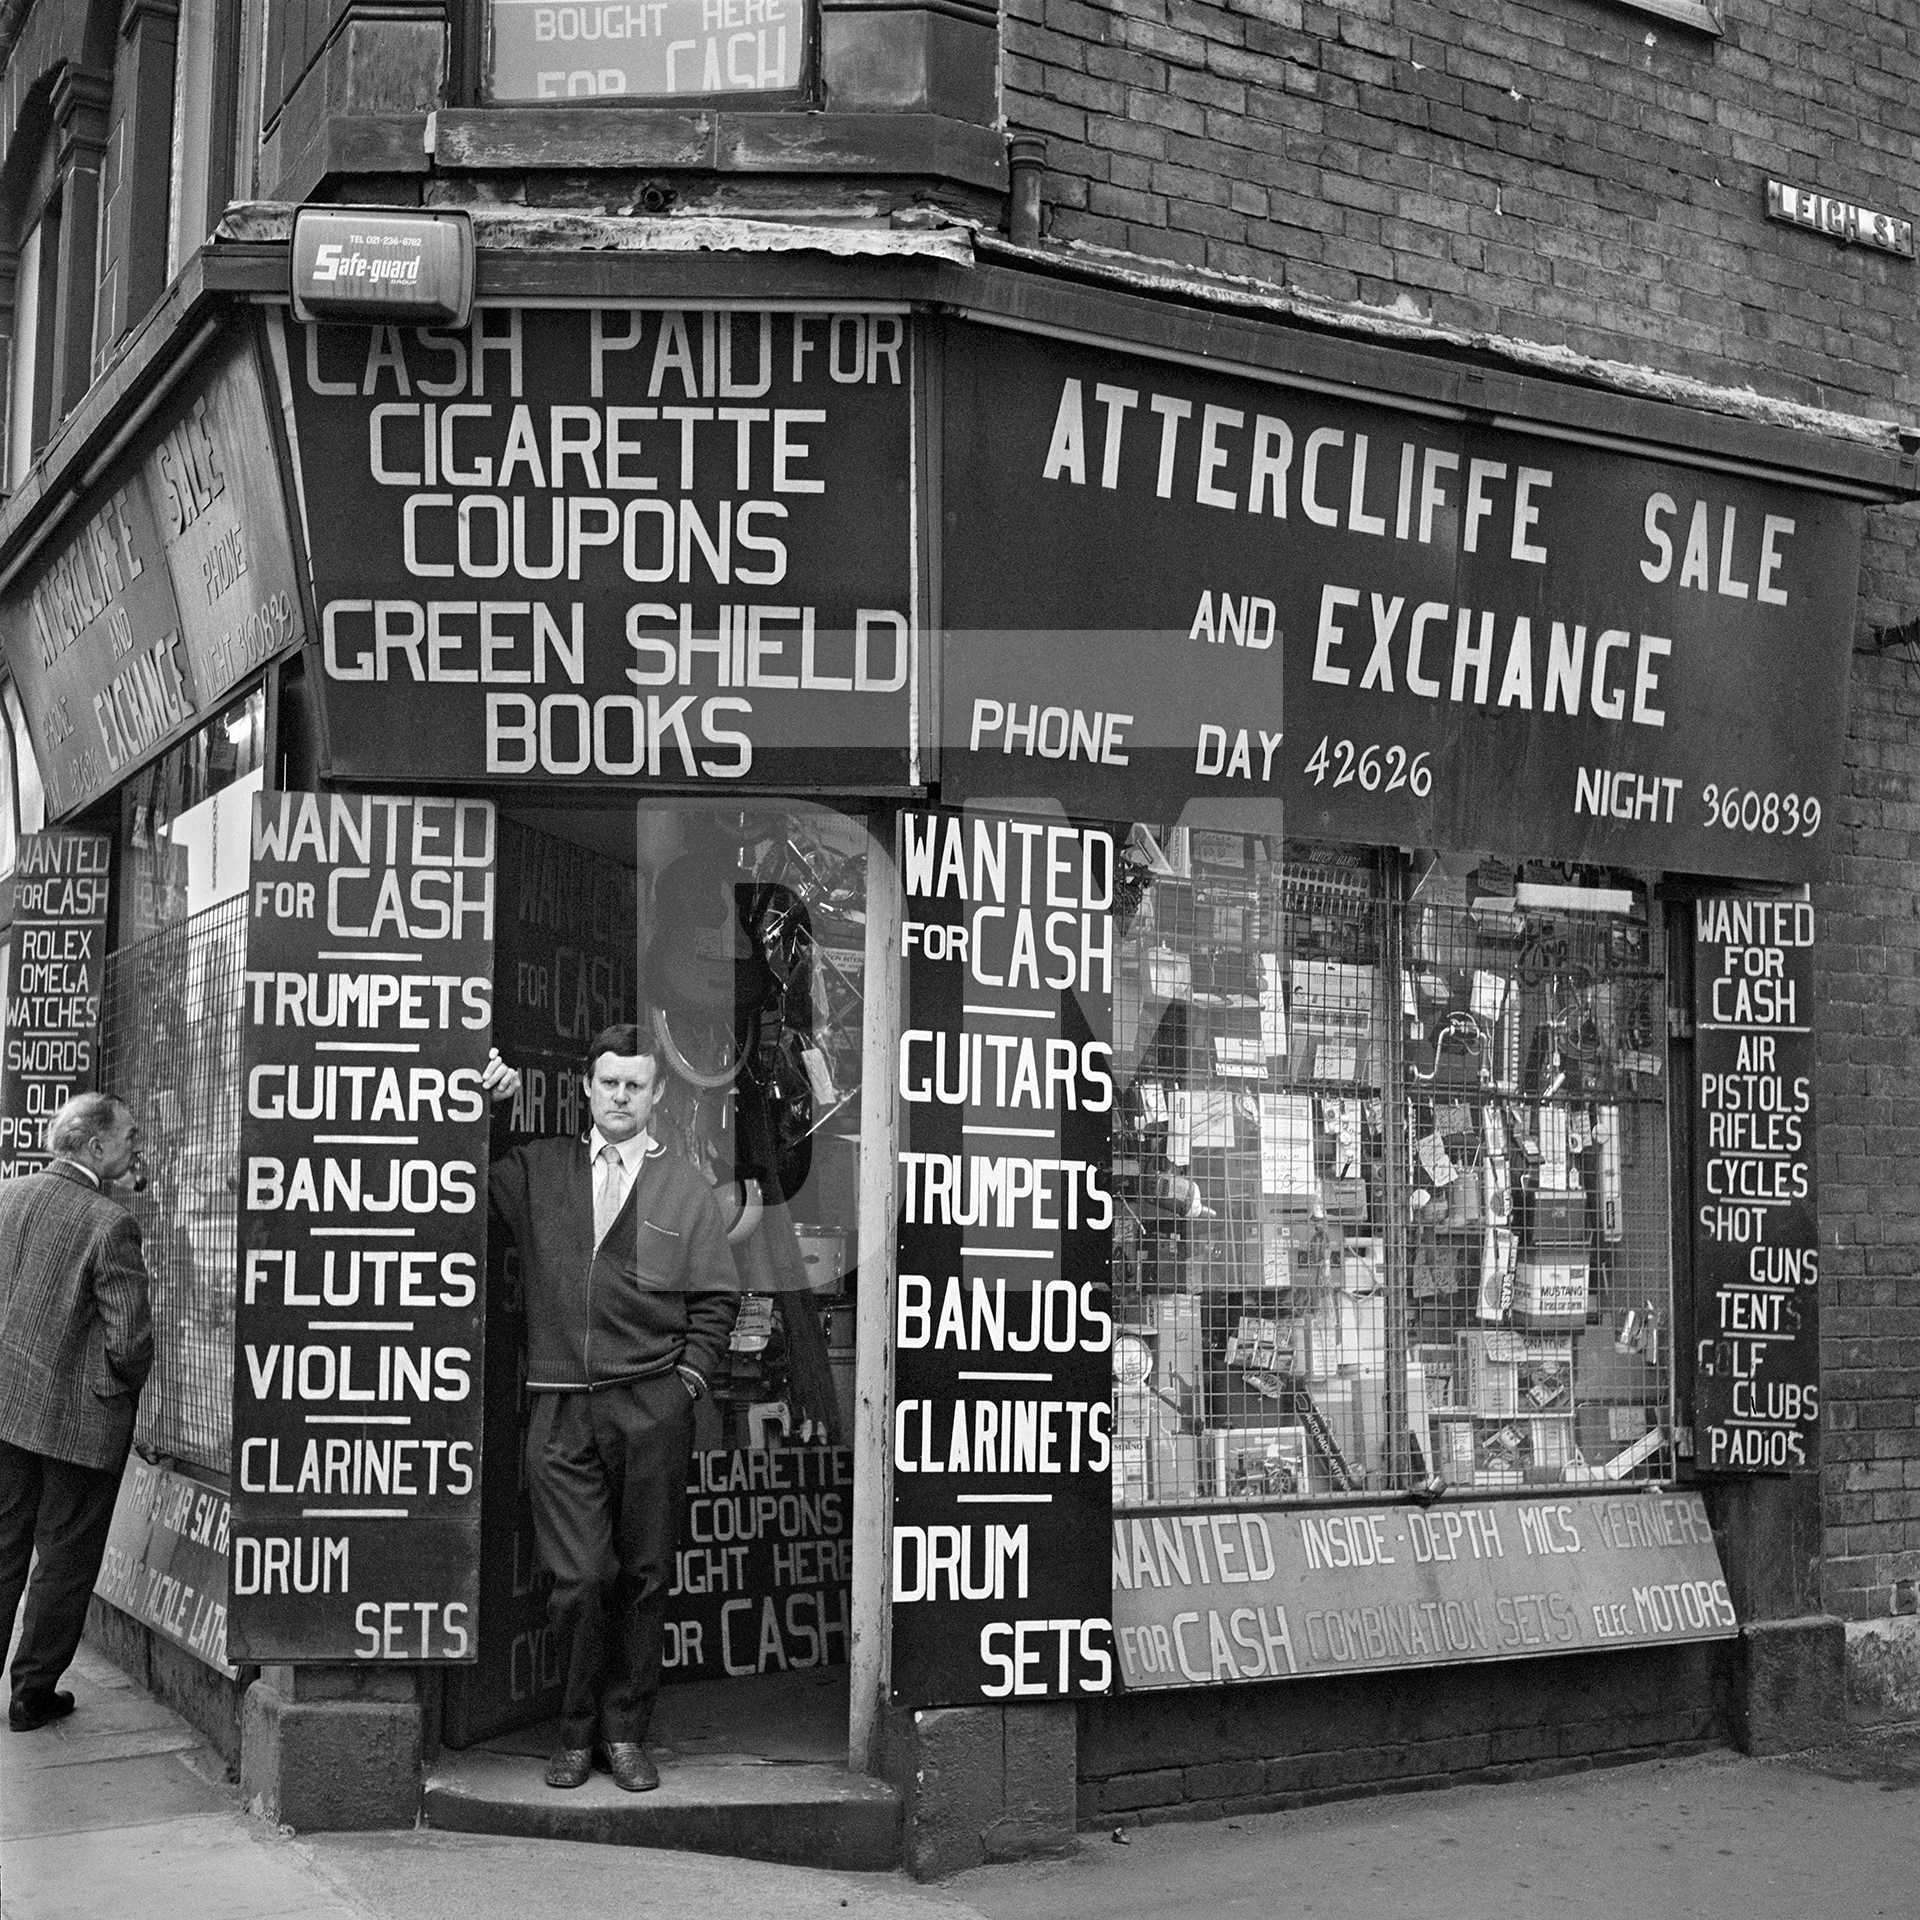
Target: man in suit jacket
x=631, y=1295
x=76, y=1342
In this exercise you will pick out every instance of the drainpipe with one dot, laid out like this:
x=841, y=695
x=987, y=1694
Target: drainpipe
x=1026, y=162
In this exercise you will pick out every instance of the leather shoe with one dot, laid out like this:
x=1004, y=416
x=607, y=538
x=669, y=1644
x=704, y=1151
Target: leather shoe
x=632, y=1766
x=23, y=1716
x=570, y=1767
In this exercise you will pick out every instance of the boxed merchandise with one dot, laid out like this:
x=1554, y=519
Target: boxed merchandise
x=1419, y=1416
x=1289, y=1166
x=1550, y=1221
x=1453, y=1449
x=1550, y=1293
x=1344, y=1199
x=1362, y=1265
x=1546, y=1379
x=1296, y=1250
x=1278, y=1252
x=1176, y=1370
x=1436, y=1363
x=1259, y=1463
x=1552, y=1439
x=1173, y=1459
x=1238, y=1056
x=1261, y=1346
x=1628, y=1423
x=1332, y=1021
x=1502, y=1455
x=1273, y=1009
x=1346, y=1333
x=1489, y=1374
x=1354, y=1407
x=1133, y=1369
x=1503, y=1374
x=1132, y=1410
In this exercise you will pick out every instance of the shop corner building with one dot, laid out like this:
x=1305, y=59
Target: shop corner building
x=1238, y=690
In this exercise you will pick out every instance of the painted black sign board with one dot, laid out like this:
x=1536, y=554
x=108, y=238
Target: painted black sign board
x=173, y=580
x=1002, y=1435
x=1756, y=1228
x=613, y=546
x=56, y=966
x=166, y=1559
x=1488, y=641
x=359, y=1352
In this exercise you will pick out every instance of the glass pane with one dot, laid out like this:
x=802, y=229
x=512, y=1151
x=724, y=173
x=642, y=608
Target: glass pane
x=1538, y=1345
x=23, y=362
x=1392, y=1154
x=645, y=49
x=171, y=1023
x=753, y=932
x=9, y=823
x=737, y=938
x=186, y=820
x=33, y=795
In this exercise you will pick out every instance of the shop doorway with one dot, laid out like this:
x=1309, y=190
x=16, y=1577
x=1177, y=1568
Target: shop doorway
x=737, y=937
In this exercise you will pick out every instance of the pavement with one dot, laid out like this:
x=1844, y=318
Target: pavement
x=123, y=1813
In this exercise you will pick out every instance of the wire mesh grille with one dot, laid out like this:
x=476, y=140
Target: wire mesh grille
x=170, y=1028
x=1392, y=1155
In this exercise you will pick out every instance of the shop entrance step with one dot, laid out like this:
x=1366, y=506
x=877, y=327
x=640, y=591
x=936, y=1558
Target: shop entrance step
x=808, y=1813
x=754, y=1767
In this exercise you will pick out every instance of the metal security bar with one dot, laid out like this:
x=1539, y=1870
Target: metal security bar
x=170, y=1028
x=1391, y=1164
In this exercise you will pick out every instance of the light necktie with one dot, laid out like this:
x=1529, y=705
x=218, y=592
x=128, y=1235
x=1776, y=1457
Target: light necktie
x=606, y=1192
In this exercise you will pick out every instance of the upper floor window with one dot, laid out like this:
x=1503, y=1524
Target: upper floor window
x=196, y=99
x=645, y=49
x=30, y=360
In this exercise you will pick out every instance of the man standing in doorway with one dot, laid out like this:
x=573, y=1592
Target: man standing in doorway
x=76, y=1342
x=631, y=1296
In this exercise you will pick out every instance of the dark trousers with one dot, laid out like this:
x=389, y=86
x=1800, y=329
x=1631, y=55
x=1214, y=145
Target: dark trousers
x=64, y=1512
x=607, y=1475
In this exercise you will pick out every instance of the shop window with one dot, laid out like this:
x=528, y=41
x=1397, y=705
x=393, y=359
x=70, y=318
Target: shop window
x=248, y=115
x=106, y=254
x=1393, y=1170
x=31, y=355
x=186, y=821
x=659, y=50
x=197, y=99
x=171, y=1020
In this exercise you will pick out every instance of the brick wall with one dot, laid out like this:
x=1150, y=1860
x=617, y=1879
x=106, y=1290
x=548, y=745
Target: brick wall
x=1564, y=171
x=1225, y=1750
x=1869, y=1109
x=1578, y=174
